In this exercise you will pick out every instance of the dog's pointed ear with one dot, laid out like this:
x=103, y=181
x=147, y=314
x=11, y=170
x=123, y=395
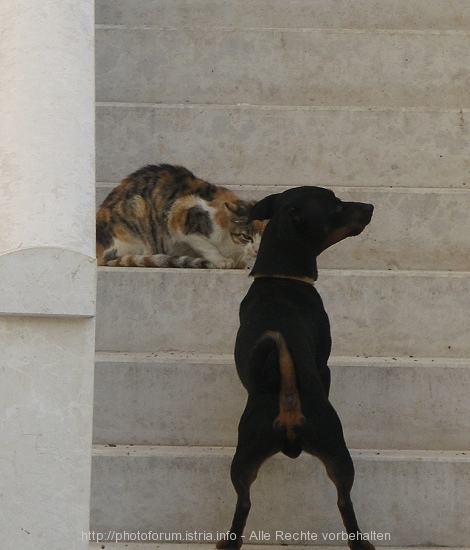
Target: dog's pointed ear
x=263, y=209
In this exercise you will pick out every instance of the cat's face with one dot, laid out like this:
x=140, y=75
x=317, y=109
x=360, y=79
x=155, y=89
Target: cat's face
x=251, y=238
x=244, y=233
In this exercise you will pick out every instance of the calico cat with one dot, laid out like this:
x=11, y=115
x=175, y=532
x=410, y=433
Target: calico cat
x=163, y=216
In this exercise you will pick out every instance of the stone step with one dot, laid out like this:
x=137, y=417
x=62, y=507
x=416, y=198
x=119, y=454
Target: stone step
x=327, y=14
x=269, y=145
x=282, y=66
x=431, y=221
x=170, y=399
x=206, y=546
x=187, y=490
x=372, y=313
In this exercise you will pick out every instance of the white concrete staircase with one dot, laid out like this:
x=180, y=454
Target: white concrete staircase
x=370, y=99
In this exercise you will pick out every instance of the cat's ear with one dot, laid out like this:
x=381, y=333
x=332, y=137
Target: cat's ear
x=240, y=210
x=236, y=212
x=232, y=207
x=264, y=209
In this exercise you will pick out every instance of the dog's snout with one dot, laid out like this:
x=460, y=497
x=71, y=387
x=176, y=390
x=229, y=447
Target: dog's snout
x=361, y=211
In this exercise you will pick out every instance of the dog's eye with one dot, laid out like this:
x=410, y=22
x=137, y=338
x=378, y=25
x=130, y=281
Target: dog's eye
x=339, y=208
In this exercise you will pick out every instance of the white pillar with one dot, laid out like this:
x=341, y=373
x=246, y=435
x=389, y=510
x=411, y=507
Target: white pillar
x=47, y=272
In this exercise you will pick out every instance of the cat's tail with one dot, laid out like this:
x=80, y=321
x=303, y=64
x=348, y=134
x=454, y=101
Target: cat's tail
x=159, y=260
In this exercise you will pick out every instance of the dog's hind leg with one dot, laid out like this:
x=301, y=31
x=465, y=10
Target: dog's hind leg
x=340, y=470
x=254, y=447
x=244, y=471
x=333, y=452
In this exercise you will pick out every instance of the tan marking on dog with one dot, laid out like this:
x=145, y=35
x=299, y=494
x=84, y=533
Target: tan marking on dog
x=342, y=233
x=307, y=280
x=290, y=412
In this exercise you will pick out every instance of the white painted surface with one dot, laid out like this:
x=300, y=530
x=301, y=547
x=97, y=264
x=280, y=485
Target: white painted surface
x=47, y=272
x=45, y=436
x=46, y=132
x=47, y=281
x=46, y=135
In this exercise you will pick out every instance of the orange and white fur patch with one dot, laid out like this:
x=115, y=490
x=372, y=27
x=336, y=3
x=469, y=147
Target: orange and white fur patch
x=163, y=216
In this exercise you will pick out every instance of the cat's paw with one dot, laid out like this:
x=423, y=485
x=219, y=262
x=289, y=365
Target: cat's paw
x=226, y=263
x=112, y=263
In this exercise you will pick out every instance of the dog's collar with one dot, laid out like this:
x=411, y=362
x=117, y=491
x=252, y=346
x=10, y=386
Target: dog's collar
x=308, y=280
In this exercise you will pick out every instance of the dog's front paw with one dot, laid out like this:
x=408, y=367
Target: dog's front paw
x=229, y=542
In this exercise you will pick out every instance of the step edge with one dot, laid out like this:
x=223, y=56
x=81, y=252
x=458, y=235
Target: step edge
x=338, y=189
x=370, y=455
x=324, y=272
x=297, y=30
x=247, y=545
x=226, y=359
x=279, y=107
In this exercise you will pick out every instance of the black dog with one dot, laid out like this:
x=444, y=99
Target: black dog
x=283, y=345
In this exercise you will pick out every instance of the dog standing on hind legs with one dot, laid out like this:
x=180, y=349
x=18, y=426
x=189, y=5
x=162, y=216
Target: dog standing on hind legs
x=283, y=345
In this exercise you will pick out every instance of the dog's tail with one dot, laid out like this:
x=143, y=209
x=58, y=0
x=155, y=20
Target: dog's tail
x=290, y=412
